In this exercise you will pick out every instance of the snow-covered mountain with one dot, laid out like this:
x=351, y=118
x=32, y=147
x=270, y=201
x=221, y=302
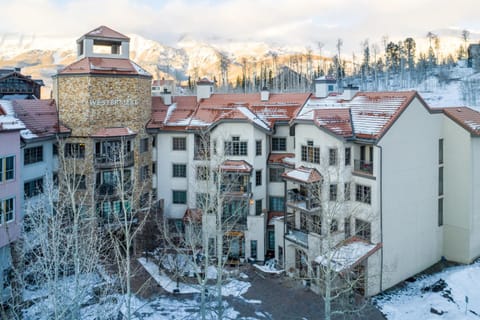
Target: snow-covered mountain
x=42, y=56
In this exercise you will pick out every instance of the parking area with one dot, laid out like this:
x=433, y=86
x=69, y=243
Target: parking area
x=284, y=298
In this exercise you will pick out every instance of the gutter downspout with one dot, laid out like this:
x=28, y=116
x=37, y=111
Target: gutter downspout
x=381, y=216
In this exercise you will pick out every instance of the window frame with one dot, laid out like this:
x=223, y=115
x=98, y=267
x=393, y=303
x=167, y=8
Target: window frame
x=258, y=207
x=33, y=155
x=310, y=153
x=179, y=196
x=276, y=174
x=348, y=156
x=333, y=192
x=33, y=188
x=258, y=148
x=144, y=145
x=258, y=178
x=363, y=193
x=7, y=169
x=179, y=170
x=279, y=144
x=179, y=143
x=332, y=156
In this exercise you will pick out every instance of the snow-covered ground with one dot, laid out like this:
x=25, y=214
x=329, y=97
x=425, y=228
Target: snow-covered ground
x=443, y=295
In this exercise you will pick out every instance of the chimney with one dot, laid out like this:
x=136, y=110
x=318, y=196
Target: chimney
x=204, y=89
x=349, y=92
x=167, y=97
x=324, y=86
x=264, y=94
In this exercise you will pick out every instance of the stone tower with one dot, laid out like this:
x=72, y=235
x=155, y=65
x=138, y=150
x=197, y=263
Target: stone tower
x=105, y=98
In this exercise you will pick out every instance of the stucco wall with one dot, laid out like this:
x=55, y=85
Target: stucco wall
x=412, y=239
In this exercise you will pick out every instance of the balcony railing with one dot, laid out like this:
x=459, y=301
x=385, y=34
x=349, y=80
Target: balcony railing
x=237, y=188
x=104, y=160
x=108, y=189
x=303, y=202
x=363, y=166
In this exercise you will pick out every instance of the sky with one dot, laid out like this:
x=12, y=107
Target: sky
x=285, y=22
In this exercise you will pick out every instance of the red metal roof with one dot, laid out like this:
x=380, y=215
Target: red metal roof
x=467, y=118
x=281, y=158
x=39, y=116
x=95, y=65
x=113, y=132
x=336, y=120
x=303, y=175
x=105, y=32
x=236, y=166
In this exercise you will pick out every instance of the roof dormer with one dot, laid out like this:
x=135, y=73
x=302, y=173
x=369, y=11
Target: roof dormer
x=103, y=42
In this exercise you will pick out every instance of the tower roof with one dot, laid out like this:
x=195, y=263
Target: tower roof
x=105, y=33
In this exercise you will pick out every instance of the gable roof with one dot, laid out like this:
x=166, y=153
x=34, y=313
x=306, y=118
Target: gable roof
x=237, y=166
x=335, y=120
x=40, y=118
x=467, y=118
x=186, y=113
x=105, y=32
x=374, y=112
x=368, y=115
x=111, y=66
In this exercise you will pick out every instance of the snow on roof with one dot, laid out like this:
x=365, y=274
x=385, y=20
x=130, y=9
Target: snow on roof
x=302, y=174
x=253, y=117
x=468, y=118
x=170, y=110
x=8, y=120
x=347, y=255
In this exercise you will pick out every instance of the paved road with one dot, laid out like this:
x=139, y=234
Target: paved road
x=283, y=298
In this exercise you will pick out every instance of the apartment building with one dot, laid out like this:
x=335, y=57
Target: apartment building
x=10, y=191
x=227, y=134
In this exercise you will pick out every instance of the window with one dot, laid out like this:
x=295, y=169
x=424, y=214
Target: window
x=154, y=142
x=440, y=181
x=7, y=210
x=346, y=228
x=332, y=157
x=201, y=147
x=440, y=151
x=179, y=196
x=362, y=229
x=253, y=249
x=279, y=144
x=348, y=156
x=179, y=170
x=179, y=143
x=330, y=88
x=75, y=150
x=277, y=204
x=346, y=191
x=258, y=207
x=333, y=192
x=310, y=153
x=143, y=145
x=7, y=168
x=258, y=177
x=363, y=194
x=334, y=225
x=55, y=149
x=154, y=167
x=275, y=174
x=79, y=182
x=235, y=147
x=33, y=155
x=144, y=172
x=440, y=212
x=33, y=188
x=271, y=240
x=202, y=173
x=258, y=147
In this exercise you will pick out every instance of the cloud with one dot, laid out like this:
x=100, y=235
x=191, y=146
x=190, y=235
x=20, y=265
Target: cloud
x=281, y=21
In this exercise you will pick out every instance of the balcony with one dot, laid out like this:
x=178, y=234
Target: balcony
x=237, y=189
x=108, y=160
x=109, y=189
x=298, y=200
x=363, y=167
